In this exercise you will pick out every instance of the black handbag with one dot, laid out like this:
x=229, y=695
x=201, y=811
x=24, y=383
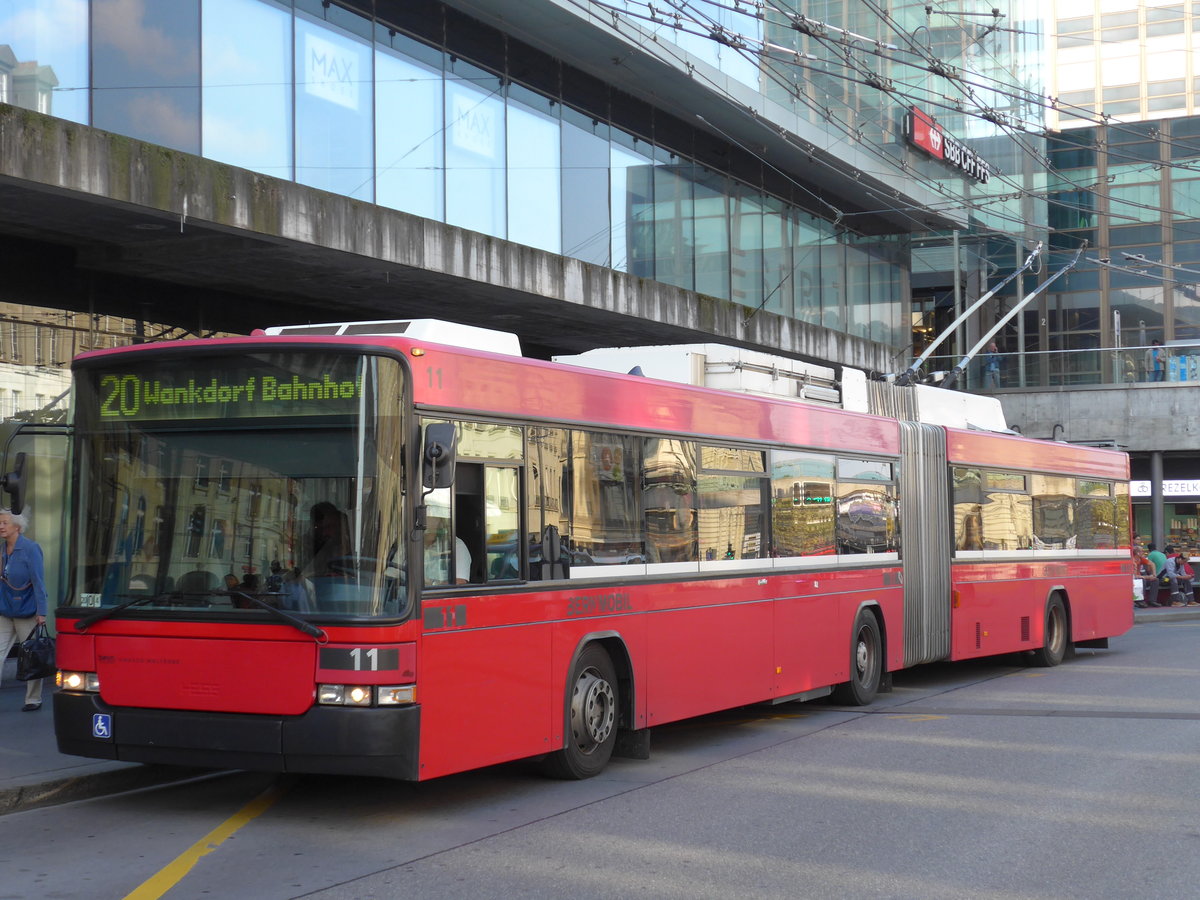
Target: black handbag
x=35, y=655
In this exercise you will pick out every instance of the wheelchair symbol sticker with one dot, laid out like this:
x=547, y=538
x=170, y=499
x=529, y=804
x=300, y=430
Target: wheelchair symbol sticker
x=102, y=726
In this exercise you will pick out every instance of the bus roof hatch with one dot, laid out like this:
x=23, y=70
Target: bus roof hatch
x=436, y=331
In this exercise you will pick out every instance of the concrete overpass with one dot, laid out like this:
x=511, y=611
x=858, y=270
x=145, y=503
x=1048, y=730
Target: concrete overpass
x=96, y=222
x=1139, y=418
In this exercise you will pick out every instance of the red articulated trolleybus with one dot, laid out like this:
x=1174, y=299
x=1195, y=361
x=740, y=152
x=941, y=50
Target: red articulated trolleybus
x=328, y=550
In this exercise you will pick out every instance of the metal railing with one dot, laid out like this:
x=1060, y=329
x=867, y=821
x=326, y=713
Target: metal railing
x=1176, y=363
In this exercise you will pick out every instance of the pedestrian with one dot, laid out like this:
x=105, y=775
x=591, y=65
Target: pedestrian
x=22, y=592
x=991, y=367
x=1172, y=576
x=1143, y=569
x=1156, y=361
x=1159, y=559
x=1185, y=559
x=1180, y=574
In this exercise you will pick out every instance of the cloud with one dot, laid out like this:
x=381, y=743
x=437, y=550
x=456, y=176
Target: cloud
x=155, y=118
x=121, y=24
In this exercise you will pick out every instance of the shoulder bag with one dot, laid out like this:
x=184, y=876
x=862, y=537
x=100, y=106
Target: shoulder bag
x=35, y=655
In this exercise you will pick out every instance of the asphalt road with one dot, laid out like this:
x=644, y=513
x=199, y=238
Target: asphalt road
x=977, y=780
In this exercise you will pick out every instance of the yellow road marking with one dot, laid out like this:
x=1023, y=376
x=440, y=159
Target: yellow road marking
x=173, y=872
x=698, y=724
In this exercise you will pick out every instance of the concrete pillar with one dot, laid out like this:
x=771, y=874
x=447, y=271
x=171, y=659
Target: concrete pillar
x=1157, y=533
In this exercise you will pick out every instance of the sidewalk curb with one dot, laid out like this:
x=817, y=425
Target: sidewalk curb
x=1171, y=614
x=114, y=779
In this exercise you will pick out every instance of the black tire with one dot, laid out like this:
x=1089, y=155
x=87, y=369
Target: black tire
x=592, y=711
x=1054, y=635
x=866, y=662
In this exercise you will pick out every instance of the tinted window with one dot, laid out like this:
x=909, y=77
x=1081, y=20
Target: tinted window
x=534, y=145
x=968, y=509
x=802, y=510
x=247, y=68
x=731, y=519
x=606, y=520
x=669, y=496
x=334, y=146
x=409, y=111
x=1053, y=512
x=53, y=41
x=146, y=71
x=547, y=487
x=475, y=151
x=866, y=519
x=585, y=232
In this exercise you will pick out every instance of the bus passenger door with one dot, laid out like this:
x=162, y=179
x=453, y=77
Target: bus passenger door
x=485, y=692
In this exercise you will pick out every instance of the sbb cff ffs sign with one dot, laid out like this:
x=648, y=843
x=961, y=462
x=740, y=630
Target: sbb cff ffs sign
x=926, y=134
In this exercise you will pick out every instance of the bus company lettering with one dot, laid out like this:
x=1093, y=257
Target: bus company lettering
x=598, y=603
x=132, y=395
x=138, y=660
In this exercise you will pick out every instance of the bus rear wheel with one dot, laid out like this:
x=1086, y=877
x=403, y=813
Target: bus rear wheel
x=591, y=726
x=1054, y=635
x=866, y=662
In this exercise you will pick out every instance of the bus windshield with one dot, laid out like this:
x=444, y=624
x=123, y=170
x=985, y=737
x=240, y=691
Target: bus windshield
x=218, y=483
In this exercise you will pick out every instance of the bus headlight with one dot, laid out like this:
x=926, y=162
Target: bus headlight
x=365, y=695
x=84, y=682
x=331, y=694
x=344, y=695
x=357, y=695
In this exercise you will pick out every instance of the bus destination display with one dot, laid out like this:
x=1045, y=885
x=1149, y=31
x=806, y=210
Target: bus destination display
x=239, y=390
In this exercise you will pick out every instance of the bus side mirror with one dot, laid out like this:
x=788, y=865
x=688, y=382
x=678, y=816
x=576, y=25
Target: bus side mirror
x=551, y=545
x=438, y=455
x=14, y=483
x=552, y=554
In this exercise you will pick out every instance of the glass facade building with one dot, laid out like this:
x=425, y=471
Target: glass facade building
x=1132, y=192
x=1129, y=60
x=432, y=114
x=1128, y=196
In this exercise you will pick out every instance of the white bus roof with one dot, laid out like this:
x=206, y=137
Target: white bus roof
x=437, y=331
x=749, y=371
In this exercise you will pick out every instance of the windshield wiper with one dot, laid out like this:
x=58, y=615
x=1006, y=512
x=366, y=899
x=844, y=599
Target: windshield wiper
x=295, y=621
x=82, y=624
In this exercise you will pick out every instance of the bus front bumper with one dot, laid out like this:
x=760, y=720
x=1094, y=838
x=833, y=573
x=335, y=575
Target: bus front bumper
x=333, y=740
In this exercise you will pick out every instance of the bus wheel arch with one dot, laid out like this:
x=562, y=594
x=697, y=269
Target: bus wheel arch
x=596, y=704
x=868, y=659
x=1056, y=632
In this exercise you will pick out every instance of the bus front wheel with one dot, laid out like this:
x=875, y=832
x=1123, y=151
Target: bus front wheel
x=866, y=662
x=591, y=725
x=1054, y=634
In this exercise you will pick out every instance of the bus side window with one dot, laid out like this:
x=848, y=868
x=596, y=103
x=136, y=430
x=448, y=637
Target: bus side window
x=501, y=523
x=548, y=475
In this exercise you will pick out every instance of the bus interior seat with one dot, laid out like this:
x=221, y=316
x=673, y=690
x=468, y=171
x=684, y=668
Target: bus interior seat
x=196, y=582
x=141, y=585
